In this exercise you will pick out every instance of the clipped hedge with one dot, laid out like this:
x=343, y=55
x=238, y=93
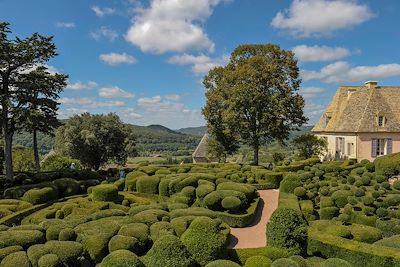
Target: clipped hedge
x=121, y=258
x=388, y=165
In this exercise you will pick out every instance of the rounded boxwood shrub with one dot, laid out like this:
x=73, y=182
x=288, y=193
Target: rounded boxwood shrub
x=140, y=231
x=121, y=258
x=380, y=178
x=358, y=192
x=222, y=263
x=49, y=260
x=67, y=234
x=388, y=226
x=232, y=204
x=159, y=229
x=23, y=238
x=213, y=201
x=19, y=259
x=288, y=230
x=392, y=242
x=366, y=180
x=205, y=240
x=118, y=242
x=335, y=262
x=328, y=213
x=385, y=185
x=168, y=251
x=300, y=192
x=68, y=252
x=39, y=196
x=289, y=183
x=147, y=184
x=285, y=262
x=351, y=179
x=104, y=192
x=396, y=185
x=382, y=212
x=340, y=197
x=258, y=261
x=203, y=190
x=367, y=200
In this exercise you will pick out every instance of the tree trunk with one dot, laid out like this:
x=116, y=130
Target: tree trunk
x=256, y=148
x=8, y=154
x=35, y=151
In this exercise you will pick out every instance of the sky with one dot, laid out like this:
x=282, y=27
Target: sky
x=145, y=59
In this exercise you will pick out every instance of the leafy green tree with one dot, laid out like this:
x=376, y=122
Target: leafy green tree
x=309, y=145
x=40, y=91
x=17, y=56
x=23, y=159
x=95, y=139
x=254, y=98
x=216, y=150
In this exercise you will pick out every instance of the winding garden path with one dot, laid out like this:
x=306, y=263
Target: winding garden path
x=254, y=236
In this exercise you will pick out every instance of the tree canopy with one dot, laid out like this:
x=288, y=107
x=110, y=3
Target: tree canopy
x=254, y=99
x=95, y=139
x=309, y=145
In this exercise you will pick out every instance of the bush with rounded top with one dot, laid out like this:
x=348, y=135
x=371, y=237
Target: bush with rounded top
x=222, y=263
x=328, y=213
x=19, y=259
x=340, y=197
x=67, y=234
x=159, y=229
x=148, y=184
x=248, y=190
x=258, y=261
x=300, y=192
x=168, y=251
x=9, y=250
x=23, y=238
x=232, y=204
x=39, y=196
x=385, y=185
x=335, y=262
x=288, y=230
x=138, y=230
x=382, y=212
x=205, y=240
x=67, y=251
x=105, y=192
x=392, y=242
x=203, y=190
x=118, y=242
x=396, y=185
x=284, y=263
x=50, y=260
x=121, y=258
x=289, y=183
x=358, y=192
x=388, y=226
x=365, y=180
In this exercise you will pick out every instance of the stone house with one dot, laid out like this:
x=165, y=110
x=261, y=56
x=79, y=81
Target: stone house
x=361, y=122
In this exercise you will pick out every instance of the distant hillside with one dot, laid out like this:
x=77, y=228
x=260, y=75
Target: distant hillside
x=198, y=131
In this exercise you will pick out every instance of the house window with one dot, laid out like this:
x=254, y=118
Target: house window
x=381, y=121
x=381, y=147
x=350, y=149
x=340, y=145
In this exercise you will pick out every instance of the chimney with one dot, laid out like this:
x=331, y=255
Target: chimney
x=371, y=84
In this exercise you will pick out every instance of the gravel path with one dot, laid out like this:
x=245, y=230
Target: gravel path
x=254, y=235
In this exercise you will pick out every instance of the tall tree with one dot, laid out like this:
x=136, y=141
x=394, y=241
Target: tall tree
x=95, y=139
x=309, y=145
x=257, y=95
x=40, y=90
x=17, y=56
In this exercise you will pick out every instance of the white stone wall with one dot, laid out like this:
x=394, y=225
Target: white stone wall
x=332, y=153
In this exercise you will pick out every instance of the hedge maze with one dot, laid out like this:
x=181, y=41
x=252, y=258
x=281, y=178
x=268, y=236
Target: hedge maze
x=330, y=214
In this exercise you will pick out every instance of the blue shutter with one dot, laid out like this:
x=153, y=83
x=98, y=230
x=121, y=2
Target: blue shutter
x=373, y=148
x=389, y=146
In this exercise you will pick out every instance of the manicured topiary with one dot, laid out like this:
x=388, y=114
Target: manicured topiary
x=232, y=204
x=335, y=262
x=388, y=226
x=68, y=252
x=288, y=230
x=23, y=238
x=367, y=200
x=300, y=191
x=148, y=184
x=104, y=192
x=203, y=190
x=159, y=229
x=366, y=180
x=392, y=242
x=138, y=230
x=248, y=190
x=258, y=261
x=289, y=183
x=382, y=212
x=326, y=202
x=385, y=185
x=299, y=260
x=121, y=258
x=351, y=179
x=9, y=250
x=284, y=263
x=396, y=185
x=340, y=197
x=118, y=242
x=19, y=259
x=213, y=201
x=222, y=263
x=205, y=240
x=328, y=213
x=39, y=196
x=50, y=260
x=168, y=251
x=358, y=192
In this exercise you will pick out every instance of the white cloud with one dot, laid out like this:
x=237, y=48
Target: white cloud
x=313, y=111
x=69, y=112
x=173, y=97
x=115, y=59
x=173, y=114
x=311, y=92
x=200, y=64
x=90, y=102
x=172, y=25
x=306, y=18
x=103, y=11
x=343, y=72
x=316, y=53
x=127, y=114
x=104, y=32
x=65, y=24
x=114, y=92
x=78, y=86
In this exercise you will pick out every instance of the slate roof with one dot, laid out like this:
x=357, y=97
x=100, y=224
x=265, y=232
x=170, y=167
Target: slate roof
x=357, y=108
x=201, y=150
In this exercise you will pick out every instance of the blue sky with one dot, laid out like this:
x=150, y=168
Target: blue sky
x=145, y=60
